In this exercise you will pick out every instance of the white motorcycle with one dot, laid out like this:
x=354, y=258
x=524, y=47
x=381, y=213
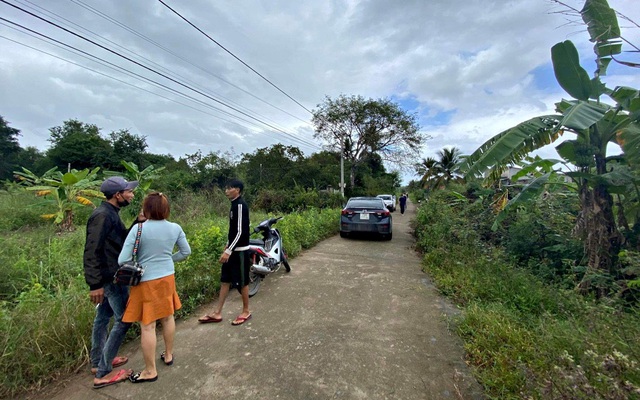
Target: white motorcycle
x=267, y=254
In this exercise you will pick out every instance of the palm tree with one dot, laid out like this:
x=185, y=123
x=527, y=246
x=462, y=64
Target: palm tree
x=439, y=172
x=449, y=160
x=426, y=169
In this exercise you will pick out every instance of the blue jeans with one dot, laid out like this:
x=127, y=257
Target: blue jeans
x=105, y=344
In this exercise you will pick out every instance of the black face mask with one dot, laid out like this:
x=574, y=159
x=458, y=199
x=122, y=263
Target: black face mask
x=123, y=203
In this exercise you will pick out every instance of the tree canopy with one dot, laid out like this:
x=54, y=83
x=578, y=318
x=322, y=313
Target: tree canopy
x=9, y=148
x=277, y=168
x=359, y=127
x=78, y=144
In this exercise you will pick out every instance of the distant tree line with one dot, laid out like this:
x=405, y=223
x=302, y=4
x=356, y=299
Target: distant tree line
x=78, y=145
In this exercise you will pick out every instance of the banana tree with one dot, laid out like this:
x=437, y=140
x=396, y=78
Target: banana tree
x=145, y=179
x=66, y=192
x=594, y=124
x=133, y=173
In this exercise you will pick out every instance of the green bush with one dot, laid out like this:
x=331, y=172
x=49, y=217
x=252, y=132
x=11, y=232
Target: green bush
x=525, y=337
x=279, y=201
x=43, y=333
x=20, y=210
x=41, y=256
x=273, y=201
x=303, y=230
x=540, y=236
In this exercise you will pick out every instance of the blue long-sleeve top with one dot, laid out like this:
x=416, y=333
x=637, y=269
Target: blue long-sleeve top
x=155, y=250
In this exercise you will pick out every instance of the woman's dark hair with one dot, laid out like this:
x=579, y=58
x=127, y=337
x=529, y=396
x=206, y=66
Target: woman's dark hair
x=156, y=206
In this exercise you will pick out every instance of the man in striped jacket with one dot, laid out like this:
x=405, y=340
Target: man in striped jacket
x=235, y=257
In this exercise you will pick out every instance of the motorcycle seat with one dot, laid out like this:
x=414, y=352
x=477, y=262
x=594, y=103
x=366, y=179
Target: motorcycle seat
x=258, y=242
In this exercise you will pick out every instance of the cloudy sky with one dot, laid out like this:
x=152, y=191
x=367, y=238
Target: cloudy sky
x=468, y=68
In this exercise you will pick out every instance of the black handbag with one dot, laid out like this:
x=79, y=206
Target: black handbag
x=130, y=272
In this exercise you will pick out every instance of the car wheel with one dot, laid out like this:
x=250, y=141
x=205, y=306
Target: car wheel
x=389, y=236
x=343, y=234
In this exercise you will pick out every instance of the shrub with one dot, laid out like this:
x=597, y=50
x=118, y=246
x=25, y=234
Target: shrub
x=19, y=210
x=525, y=337
x=273, y=201
x=44, y=332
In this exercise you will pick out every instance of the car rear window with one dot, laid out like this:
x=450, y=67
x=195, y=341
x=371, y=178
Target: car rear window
x=371, y=204
x=385, y=197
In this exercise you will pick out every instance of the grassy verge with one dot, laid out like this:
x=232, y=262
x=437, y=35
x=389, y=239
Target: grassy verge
x=525, y=338
x=45, y=314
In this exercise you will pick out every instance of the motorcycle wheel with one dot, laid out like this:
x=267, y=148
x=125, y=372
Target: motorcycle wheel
x=285, y=261
x=254, y=283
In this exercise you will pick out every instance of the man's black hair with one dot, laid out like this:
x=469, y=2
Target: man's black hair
x=235, y=183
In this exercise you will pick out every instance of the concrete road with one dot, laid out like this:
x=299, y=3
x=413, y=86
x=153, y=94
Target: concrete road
x=355, y=319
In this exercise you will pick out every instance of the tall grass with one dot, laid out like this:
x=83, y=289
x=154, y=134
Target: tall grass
x=526, y=338
x=45, y=313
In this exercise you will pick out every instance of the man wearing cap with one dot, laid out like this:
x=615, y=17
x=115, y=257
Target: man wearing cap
x=105, y=237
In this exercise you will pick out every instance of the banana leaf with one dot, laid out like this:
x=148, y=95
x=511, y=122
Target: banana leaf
x=569, y=74
x=512, y=145
x=581, y=114
x=529, y=192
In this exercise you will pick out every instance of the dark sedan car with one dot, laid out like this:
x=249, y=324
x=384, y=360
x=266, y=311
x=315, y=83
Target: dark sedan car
x=366, y=215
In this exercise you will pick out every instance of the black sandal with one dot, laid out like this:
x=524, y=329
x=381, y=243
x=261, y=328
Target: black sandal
x=165, y=362
x=135, y=378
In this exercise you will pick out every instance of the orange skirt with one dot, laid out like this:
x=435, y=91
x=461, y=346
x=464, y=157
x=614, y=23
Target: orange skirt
x=152, y=300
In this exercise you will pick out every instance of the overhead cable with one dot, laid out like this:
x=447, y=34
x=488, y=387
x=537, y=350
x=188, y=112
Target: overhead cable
x=142, y=36
x=234, y=56
x=114, y=78
x=128, y=83
x=59, y=17
x=145, y=67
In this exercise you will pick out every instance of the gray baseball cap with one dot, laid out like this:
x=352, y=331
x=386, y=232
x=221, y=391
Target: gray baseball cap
x=116, y=184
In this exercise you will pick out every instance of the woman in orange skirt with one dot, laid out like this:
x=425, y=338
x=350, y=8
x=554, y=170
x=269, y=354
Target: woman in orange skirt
x=155, y=298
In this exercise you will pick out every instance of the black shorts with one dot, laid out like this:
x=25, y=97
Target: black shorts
x=236, y=270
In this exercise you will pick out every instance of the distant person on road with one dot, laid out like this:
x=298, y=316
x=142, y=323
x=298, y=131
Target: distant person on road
x=155, y=298
x=235, y=257
x=105, y=236
x=403, y=202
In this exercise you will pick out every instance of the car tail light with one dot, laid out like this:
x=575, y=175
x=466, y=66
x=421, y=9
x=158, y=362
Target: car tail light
x=347, y=212
x=383, y=213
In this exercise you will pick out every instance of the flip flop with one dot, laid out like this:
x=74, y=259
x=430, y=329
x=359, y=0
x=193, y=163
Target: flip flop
x=117, y=362
x=121, y=376
x=135, y=378
x=208, y=319
x=240, y=320
x=163, y=360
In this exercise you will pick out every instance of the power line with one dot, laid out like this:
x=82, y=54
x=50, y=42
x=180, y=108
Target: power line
x=234, y=56
x=143, y=66
x=59, y=17
x=140, y=35
x=126, y=83
x=116, y=79
x=138, y=76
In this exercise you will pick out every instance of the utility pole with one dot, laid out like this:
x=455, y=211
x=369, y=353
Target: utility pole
x=342, y=167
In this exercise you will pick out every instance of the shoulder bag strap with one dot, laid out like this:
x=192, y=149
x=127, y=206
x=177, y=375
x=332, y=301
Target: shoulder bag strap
x=137, y=242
